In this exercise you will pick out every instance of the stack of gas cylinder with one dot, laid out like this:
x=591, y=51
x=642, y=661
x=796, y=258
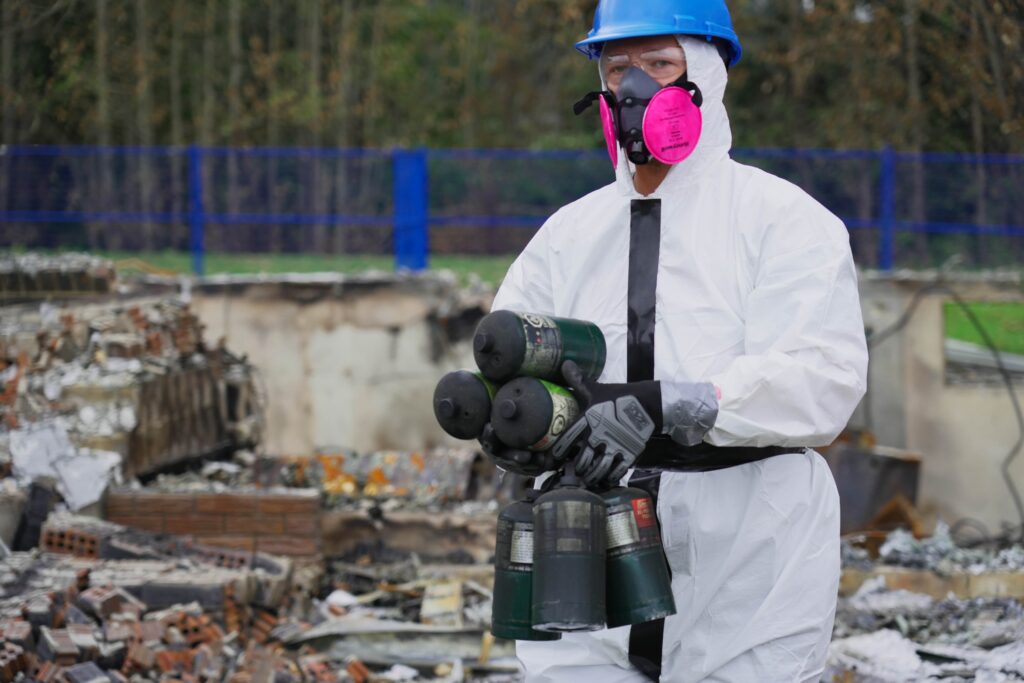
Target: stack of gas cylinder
x=567, y=558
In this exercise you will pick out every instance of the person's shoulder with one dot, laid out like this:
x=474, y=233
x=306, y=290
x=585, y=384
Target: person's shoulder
x=582, y=211
x=783, y=205
x=590, y=202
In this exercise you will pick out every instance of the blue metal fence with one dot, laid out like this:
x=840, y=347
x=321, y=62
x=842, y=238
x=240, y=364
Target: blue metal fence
x=902, y=209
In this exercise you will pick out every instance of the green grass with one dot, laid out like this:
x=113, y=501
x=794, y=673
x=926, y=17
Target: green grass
x=488, y=268
x=1004, y=323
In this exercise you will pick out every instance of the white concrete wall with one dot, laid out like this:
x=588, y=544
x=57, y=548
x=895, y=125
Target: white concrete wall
x=963, y=432
x=353, y=370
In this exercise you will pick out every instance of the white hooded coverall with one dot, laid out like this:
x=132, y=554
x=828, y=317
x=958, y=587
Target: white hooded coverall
x=757, y=293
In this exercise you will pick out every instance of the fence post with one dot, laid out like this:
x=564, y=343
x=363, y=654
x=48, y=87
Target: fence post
x=887, y=208
x=410, y=209
x=196, y=212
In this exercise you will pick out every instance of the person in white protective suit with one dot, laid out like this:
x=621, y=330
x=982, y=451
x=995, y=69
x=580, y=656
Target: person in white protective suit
x=736, y=293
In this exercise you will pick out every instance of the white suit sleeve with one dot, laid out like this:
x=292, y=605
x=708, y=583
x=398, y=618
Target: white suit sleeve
x=805, y=358
x=527, y=285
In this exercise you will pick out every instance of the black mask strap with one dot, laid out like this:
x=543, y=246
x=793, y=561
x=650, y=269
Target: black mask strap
x=688, y=85
x=587, y=100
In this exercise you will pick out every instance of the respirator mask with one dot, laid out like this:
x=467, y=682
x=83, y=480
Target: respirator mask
x=649, y=121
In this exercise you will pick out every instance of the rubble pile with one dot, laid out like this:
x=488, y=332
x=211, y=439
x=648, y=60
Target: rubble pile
x=101, y=602
x=938, y=553
x=134, y=379
x=926, y=610
x=894, y=636
x=394, y=479
x=31, y=276
x=414, y=478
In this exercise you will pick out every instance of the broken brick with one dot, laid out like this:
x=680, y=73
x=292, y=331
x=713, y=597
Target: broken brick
x=86, y=672
x=55, y=645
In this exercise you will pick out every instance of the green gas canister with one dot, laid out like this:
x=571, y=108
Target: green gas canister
x=531, y=413
x=513, y=574
x=639, y=587
x=569, y=525
x=508, y=345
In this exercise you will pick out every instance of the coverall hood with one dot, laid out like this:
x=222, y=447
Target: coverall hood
x=705, y=68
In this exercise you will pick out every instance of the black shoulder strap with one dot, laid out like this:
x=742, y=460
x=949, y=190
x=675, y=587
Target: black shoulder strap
x=645, y=640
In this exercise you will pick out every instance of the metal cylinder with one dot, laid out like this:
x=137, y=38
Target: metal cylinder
x=569, y=561
x=462, y=403
x=531, y=414
x=508, y=345
x=639, y=587
x=513, y=574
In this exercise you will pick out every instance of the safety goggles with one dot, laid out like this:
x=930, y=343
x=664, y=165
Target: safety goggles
x=663, y=65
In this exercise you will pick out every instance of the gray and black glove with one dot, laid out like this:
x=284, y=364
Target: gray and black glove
x=526, y=463
x=614, y=429
x=610, y=436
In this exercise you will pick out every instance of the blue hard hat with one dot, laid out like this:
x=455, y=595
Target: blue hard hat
x=616, y=19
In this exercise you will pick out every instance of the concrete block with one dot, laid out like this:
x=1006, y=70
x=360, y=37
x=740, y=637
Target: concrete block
x=84, y=638
x=118, y=630
x=86, y=672
x=104, y=601
x=160, y=594
x=17, y=632
x=55, y=645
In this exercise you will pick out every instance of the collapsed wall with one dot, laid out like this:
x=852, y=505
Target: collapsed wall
x=347, y=361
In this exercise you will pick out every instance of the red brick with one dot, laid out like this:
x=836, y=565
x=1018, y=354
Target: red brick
x=284, y=505
x=247, y=543
x=197, y=525
x=260, y=526
x=303, y=525
x=153, y=523
x=226, y=504
x=165, y=503
x=285, y=545
x=119, y=505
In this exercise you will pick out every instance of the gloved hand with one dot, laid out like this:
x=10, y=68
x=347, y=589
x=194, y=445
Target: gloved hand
x=589, y=393
x=685, y=411
x=613, y=430
x=526, y=463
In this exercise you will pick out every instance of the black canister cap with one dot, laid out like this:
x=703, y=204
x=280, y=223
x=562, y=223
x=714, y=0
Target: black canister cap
x=462, y=404
x=522, y=413
x=499, y=346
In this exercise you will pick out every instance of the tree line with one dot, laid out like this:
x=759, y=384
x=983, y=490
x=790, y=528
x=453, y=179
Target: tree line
x=915, y=74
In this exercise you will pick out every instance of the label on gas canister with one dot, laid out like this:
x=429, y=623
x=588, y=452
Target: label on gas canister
x=564, y=411
x=631, y=526
x=569, y=530
x=622, y=529
x=522, y=544
x=543, y=346
x=644, y=514
x=518, y=538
